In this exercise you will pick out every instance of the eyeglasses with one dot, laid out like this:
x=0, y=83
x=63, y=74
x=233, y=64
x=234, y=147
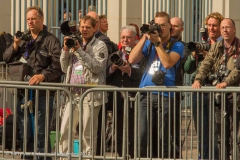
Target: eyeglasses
x=226, y=27
x=127, y=37
x=163, y=25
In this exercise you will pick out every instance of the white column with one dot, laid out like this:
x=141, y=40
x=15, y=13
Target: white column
x=120, y=13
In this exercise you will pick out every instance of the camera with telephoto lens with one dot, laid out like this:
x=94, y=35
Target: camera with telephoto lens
x=218, y=78
x=23, y=36
x=150, y=28
x=158, y=77
x=69, y=28
x=200, y=46
x=116, y=59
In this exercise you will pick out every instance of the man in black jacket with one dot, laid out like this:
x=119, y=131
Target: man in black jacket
x=41, y=53
x=124, y=75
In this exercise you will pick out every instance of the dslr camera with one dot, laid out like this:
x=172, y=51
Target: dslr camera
x=69, y=28
x=150, y=28
x=116, y=59
x=200, y=46
x=26, y=36
x=158, y=77
x=218, y=78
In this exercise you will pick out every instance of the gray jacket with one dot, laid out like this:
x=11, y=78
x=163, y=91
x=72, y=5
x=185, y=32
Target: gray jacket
x=94, y=60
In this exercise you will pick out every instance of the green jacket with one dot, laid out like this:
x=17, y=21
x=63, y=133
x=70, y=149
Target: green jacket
x=192, y=64
x=212, y=62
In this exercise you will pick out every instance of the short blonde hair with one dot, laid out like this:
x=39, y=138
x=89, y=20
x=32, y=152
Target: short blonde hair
x=215, y=15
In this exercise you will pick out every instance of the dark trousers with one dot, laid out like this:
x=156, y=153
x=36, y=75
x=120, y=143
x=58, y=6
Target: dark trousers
x=41, y=126
x=120, y=122
x=157, y=125
x=202, y=116
x=229, y=117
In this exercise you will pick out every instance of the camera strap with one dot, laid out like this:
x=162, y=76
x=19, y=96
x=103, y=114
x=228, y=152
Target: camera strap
x=230, y=51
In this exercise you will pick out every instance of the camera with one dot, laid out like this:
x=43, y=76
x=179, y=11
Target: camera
x=69, y=28
x=150, y=28
x=158, y=77
x=217, y=78
x=116, y=59
x=200, y=46
x=23, y=36
x=192, y=46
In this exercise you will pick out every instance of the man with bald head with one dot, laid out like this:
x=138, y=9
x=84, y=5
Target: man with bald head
x=112, y=47
x=177, y=28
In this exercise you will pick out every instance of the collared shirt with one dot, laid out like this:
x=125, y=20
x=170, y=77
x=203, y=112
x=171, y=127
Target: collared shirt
x=77, y=72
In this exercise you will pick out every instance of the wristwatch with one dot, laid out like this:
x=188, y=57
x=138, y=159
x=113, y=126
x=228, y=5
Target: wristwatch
x=156, y=44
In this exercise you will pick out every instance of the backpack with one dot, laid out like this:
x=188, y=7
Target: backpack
x=6, y=40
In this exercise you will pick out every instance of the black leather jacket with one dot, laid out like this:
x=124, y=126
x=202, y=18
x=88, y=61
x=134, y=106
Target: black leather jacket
x=43, y=55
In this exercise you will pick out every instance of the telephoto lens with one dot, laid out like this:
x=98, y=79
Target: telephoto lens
x=116, y=59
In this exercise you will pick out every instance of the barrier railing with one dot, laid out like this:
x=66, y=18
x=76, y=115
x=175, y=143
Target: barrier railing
x=183, y=134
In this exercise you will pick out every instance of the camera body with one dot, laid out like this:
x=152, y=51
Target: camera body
x=23, y=36
x=69, y=28
x=150, y=28
x=158, y=77
x=218, y=78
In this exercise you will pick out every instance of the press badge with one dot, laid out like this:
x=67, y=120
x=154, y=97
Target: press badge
x=154, y=67
x=79, y=70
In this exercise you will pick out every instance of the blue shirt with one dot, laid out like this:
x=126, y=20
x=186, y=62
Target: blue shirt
x=170, y=75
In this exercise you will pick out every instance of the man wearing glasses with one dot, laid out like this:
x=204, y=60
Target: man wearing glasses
x=223, y=60
x=41, y=52
x=163, y=57
x=125, y=75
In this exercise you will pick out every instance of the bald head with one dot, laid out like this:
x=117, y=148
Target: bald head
x=96, y=17
x=93, y=15
x=177, y=20
x=177, y=27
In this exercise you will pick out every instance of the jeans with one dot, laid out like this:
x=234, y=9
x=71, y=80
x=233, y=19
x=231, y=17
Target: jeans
x=197, y=102
x=41, y=126
x=156, y=125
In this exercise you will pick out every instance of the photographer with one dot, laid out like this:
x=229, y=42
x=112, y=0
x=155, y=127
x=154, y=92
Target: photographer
x=84, y=63
x=124, y=75
x=212, y=21
x=222, y=58
x=162, y=60
x=40, y=50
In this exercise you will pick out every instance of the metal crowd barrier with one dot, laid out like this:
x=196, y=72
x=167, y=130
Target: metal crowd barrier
x=187, y=139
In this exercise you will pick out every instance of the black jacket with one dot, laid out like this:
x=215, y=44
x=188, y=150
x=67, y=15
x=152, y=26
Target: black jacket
x=43, y=55
x=124, y=80
x=112, y=47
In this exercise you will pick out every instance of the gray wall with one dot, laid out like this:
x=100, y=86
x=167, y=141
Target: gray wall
x=5, y=15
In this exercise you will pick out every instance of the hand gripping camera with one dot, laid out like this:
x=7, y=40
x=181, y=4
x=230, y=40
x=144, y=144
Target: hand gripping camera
x=117, y=60
x=69, y=28
x=23, y=36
